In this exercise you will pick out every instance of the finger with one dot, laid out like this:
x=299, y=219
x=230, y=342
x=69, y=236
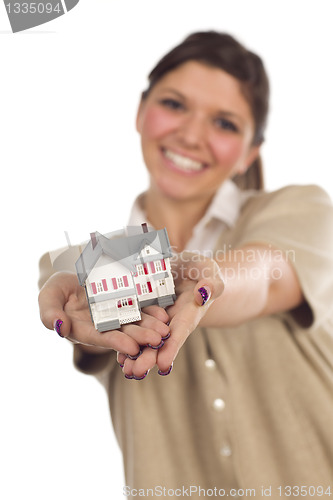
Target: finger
x=53, y=315
x=139, y=368
x=181, y=326
x=52, y=299
x=121, y=358
x=148, y=331
x=157, y=312
x=117, y=340
x=49, y=309
x=207, y=290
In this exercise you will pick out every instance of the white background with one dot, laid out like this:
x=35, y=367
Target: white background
x=68, y=96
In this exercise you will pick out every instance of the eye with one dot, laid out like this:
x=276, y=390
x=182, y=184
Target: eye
x=225, y=124
x=171, y=103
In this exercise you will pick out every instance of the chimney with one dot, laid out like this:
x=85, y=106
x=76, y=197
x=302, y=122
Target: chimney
x=93, y=240
x=144, y=227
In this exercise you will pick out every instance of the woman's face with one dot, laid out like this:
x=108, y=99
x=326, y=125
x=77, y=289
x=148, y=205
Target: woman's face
x=196, y=131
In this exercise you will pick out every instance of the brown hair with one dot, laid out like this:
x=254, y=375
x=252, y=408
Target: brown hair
x=223, y=51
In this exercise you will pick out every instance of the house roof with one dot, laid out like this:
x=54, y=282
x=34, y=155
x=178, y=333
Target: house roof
x=126, y=249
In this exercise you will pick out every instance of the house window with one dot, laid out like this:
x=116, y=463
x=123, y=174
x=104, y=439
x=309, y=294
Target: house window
x=140, y=270
x=158, y=266
x=147, y=251
x=99, y=286
x=124, y=303
x=163, y=264
x=146, y=287
x=120, y=282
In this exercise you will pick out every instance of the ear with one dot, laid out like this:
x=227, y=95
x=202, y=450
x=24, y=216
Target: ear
x=139, y=115
x=252, y=155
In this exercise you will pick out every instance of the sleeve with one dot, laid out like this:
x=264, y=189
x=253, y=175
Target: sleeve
x=298, y=221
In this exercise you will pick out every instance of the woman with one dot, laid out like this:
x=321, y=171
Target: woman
x=249, y=401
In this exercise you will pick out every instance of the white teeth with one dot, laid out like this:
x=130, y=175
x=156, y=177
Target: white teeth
x=183, y=162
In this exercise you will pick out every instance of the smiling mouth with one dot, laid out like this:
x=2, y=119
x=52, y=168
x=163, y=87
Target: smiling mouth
x=183, y=162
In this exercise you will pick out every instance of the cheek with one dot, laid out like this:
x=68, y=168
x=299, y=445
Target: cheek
x=155, y=124
x=228, y=151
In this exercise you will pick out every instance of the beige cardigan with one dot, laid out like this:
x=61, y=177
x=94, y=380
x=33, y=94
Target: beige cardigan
x=244, y=407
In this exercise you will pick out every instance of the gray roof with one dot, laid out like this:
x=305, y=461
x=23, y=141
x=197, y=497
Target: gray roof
x=125, y=249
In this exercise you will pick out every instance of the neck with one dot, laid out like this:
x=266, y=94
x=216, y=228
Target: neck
x=178, y=216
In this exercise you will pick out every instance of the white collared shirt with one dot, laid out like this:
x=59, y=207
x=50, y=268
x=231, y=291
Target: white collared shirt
x=223, y=212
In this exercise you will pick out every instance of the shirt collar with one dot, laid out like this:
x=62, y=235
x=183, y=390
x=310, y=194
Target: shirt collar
x=225, y=207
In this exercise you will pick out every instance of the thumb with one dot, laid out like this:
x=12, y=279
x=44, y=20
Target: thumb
x=52, y=300
x=53, y=316
x=207, y=291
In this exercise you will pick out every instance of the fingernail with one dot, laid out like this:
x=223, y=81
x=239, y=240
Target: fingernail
x=135, y=377
x=167, y=372
x=142, y=377
x=166, y=337
x=121, y=365
x=161, y=344
x=205, y=294
x=136, y=356
x=57, y=326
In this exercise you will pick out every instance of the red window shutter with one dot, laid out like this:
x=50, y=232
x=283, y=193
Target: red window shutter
x=125, y=280
x=138, y=289
x=130, y=302
x=149, y=286
x=94, y=289
x=114, y=283
x=119, y=304
x=105, y=286
x=145, y=267
x=163, y=264
x=152, y=266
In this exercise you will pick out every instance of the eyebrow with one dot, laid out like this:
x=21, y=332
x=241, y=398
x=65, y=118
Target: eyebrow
x=168, y=89
x=225, y=113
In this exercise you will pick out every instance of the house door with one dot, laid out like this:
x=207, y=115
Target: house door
x=161, y=288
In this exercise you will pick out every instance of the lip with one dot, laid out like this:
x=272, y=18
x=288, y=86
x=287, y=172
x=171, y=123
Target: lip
x=173, y=166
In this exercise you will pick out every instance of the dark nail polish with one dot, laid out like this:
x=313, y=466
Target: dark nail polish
x=121, y=365
x=129, y=377
x=166, y=337
x=205, y=294
x=167, y=372
x=142, y=377
x=161, y=344
x=57, y=326
x=136, y=355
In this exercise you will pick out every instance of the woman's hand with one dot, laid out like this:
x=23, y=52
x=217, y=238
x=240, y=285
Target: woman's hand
x=63, y=304
x=198, y=284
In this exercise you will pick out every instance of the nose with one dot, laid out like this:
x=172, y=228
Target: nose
x=192, y=131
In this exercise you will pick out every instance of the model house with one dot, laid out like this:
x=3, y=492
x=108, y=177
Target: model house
x=124, y=273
